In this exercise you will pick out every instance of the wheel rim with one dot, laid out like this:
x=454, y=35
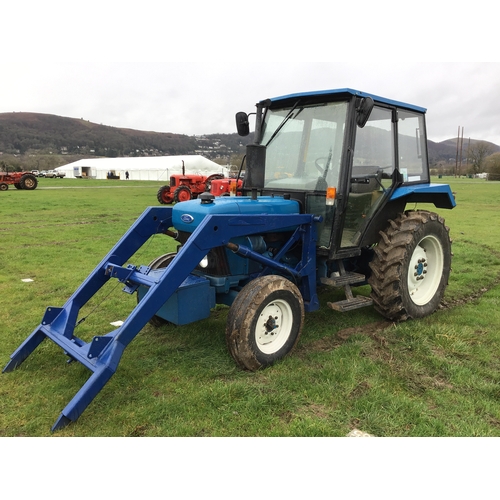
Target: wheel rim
x=274, y=326
x=184, y=195
x=29, y=183
x=425, y=270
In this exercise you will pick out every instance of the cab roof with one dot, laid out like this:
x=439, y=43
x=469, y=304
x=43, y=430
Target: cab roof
x=318, y=95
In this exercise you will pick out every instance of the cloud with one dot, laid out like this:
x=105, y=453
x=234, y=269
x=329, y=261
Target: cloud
x=202, y=97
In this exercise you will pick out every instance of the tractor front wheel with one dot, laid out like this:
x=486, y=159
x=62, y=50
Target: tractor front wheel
x=182, y=193
x=411, y=266
x=160, y=263
x=3, y=186
x=265, y=322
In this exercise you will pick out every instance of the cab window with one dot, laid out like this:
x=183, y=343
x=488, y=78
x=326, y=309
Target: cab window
x=411, y=146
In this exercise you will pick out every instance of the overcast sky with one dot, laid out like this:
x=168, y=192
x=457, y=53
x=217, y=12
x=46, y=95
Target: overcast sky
x=78, y=63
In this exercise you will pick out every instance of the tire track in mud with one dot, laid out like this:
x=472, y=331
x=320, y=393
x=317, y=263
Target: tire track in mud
x=374, y=330
x=329, y=343
x=477, y=294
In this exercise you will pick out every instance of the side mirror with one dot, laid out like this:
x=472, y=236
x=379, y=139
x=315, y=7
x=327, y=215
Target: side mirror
x=364, y=110
x=256, y=165
x=242, y=124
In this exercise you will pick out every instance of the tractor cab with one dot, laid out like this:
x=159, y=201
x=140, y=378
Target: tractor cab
x=341, y=154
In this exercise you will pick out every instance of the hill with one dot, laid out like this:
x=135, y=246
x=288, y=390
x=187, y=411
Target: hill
x=446, y=151
x=45, y=134
x=23, y=132
x=42, y=141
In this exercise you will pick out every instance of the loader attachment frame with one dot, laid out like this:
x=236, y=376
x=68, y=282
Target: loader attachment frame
x=103, y=353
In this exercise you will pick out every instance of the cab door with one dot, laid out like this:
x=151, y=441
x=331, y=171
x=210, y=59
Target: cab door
x=374, y=160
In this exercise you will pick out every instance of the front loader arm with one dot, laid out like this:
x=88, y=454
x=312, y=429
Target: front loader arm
x=102, y=355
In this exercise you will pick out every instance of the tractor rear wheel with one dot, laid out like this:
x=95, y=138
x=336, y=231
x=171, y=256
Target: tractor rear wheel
x=411, y=266
x=160, y=263
x=17, y=185
x=265, y=322
x=182, y=193
x=28, y=181
x=163, y=195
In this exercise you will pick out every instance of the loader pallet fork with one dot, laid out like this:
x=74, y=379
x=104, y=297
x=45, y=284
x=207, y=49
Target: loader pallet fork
x=102, y=355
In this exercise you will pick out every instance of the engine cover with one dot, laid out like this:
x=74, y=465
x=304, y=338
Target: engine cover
x=186, y=216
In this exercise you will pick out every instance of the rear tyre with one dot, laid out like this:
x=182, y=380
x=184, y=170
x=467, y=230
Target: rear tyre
x=182, y=193
x=28, y=181
x=163, y=195
x=17, y=185
x=265, y=322
x=411, y=266
x=160, y=263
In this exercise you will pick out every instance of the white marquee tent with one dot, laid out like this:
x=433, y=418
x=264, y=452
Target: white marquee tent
x=153, y=168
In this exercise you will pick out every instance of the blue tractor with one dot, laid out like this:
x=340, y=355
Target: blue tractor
x=327, y=182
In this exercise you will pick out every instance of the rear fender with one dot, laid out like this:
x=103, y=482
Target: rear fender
x=438, y=194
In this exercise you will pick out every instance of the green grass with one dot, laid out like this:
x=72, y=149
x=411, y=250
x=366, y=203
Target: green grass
x=434, y=377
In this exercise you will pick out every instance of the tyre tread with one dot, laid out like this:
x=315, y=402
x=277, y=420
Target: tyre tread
x=386, y=266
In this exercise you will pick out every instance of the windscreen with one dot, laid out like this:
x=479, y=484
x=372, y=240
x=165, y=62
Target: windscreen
x=304, y=146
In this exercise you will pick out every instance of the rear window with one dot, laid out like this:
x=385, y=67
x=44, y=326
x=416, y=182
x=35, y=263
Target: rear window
x=411, y=147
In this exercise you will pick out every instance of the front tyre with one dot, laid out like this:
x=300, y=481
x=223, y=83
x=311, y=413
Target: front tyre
x=164, y=196
x=411, y=266
x=265, y=322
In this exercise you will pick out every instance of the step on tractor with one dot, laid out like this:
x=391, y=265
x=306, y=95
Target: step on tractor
x=327, y=182
x=184, y=187
x=20, y=180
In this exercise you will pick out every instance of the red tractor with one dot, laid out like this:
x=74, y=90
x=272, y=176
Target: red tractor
x=185, y=187
x=226, y=187
x=21, y=180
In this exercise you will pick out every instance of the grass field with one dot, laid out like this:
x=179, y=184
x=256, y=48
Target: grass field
x=434, y=377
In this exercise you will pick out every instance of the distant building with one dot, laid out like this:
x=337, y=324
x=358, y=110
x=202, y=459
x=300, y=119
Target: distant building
x=151, y=168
